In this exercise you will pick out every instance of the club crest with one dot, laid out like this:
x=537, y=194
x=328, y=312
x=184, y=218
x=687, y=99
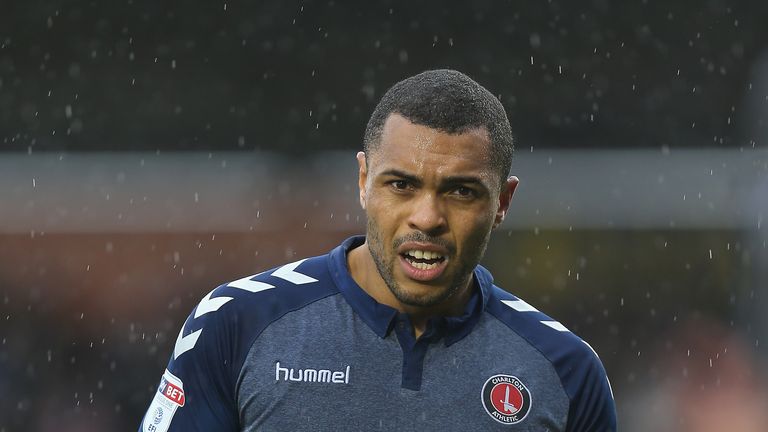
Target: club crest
x=506, y=399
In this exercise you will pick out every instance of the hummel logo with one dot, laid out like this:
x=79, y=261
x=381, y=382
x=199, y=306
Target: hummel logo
x=311, y=375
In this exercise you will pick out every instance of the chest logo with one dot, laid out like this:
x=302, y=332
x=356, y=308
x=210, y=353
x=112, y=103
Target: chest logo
x=311, y=375
x=506, y=399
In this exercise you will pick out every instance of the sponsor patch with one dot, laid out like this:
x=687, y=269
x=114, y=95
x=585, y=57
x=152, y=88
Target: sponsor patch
x=506, y=399
x=171, y=391
x=168, y=398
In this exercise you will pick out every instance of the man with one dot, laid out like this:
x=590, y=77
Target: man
x=400, y=329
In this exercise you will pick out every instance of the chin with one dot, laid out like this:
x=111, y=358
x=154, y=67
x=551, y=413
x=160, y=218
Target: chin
x=424, y=296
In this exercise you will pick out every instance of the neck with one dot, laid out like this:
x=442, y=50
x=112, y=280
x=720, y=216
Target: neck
x=365, y=273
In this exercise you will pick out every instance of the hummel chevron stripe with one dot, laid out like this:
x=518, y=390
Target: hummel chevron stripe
x=287, y=272
x=250, y=285
x=186, y=343
x=207, y=304
x=521, y=306
x=555, y=325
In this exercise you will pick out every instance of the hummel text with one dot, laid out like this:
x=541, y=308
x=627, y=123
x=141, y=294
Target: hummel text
x=311, y=375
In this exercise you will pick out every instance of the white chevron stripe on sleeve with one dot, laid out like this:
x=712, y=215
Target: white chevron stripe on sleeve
x=186, y=343
x=208, y=304
x=555, y=325
x=519, y=305
x=288, y=273
x=250, y=285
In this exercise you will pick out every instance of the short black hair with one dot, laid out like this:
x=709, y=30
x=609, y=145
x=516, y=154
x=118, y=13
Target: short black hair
x=451, y=102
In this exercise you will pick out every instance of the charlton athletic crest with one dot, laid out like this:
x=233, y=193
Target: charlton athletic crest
x=506, y=399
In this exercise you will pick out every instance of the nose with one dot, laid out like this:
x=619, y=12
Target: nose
x=427, y=215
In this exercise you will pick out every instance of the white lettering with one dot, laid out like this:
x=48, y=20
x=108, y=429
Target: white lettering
x=324, y=376
x=278, y=369
x=298, y=378
x=312, y=375
x=338, y=377
x=497, y=380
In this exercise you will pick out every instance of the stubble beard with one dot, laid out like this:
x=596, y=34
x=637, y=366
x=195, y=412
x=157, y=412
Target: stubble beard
x=386, y=269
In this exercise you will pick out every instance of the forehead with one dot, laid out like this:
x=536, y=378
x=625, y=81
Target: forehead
x=422, y=150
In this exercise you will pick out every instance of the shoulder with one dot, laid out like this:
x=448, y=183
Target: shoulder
x=272, y=293
x=572, y=357
x=579, y=368
x=231, y=317
x=546, y=334
x=211, y=348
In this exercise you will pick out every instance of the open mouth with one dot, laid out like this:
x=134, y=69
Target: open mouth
x=423, y=260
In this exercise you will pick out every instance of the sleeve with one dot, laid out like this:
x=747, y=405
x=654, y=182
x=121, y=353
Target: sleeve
x=196, y=391
x=592, y=407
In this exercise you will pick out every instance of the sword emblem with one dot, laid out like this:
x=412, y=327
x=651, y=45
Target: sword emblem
x=508, y=407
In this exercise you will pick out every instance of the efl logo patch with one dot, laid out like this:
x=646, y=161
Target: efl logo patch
x=168, y=398
x=506, y=399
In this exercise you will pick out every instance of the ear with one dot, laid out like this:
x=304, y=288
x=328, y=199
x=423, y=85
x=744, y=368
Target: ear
x=505, y=197
x=362, y=177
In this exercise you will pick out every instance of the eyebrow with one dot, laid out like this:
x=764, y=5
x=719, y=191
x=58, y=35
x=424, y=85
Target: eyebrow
x=401, y=174
x=450, y=180
x=463, y=179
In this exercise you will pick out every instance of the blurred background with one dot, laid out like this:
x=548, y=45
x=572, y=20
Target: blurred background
x=150, y=151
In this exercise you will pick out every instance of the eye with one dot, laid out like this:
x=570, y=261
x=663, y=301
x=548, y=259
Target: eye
x=400, y=184
x=464, y=192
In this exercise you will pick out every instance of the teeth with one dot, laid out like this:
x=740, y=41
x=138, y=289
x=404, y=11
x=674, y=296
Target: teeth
x=420, y=254
x=423, y=266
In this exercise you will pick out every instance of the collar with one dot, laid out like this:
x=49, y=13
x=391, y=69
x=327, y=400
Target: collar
x=381, y=318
